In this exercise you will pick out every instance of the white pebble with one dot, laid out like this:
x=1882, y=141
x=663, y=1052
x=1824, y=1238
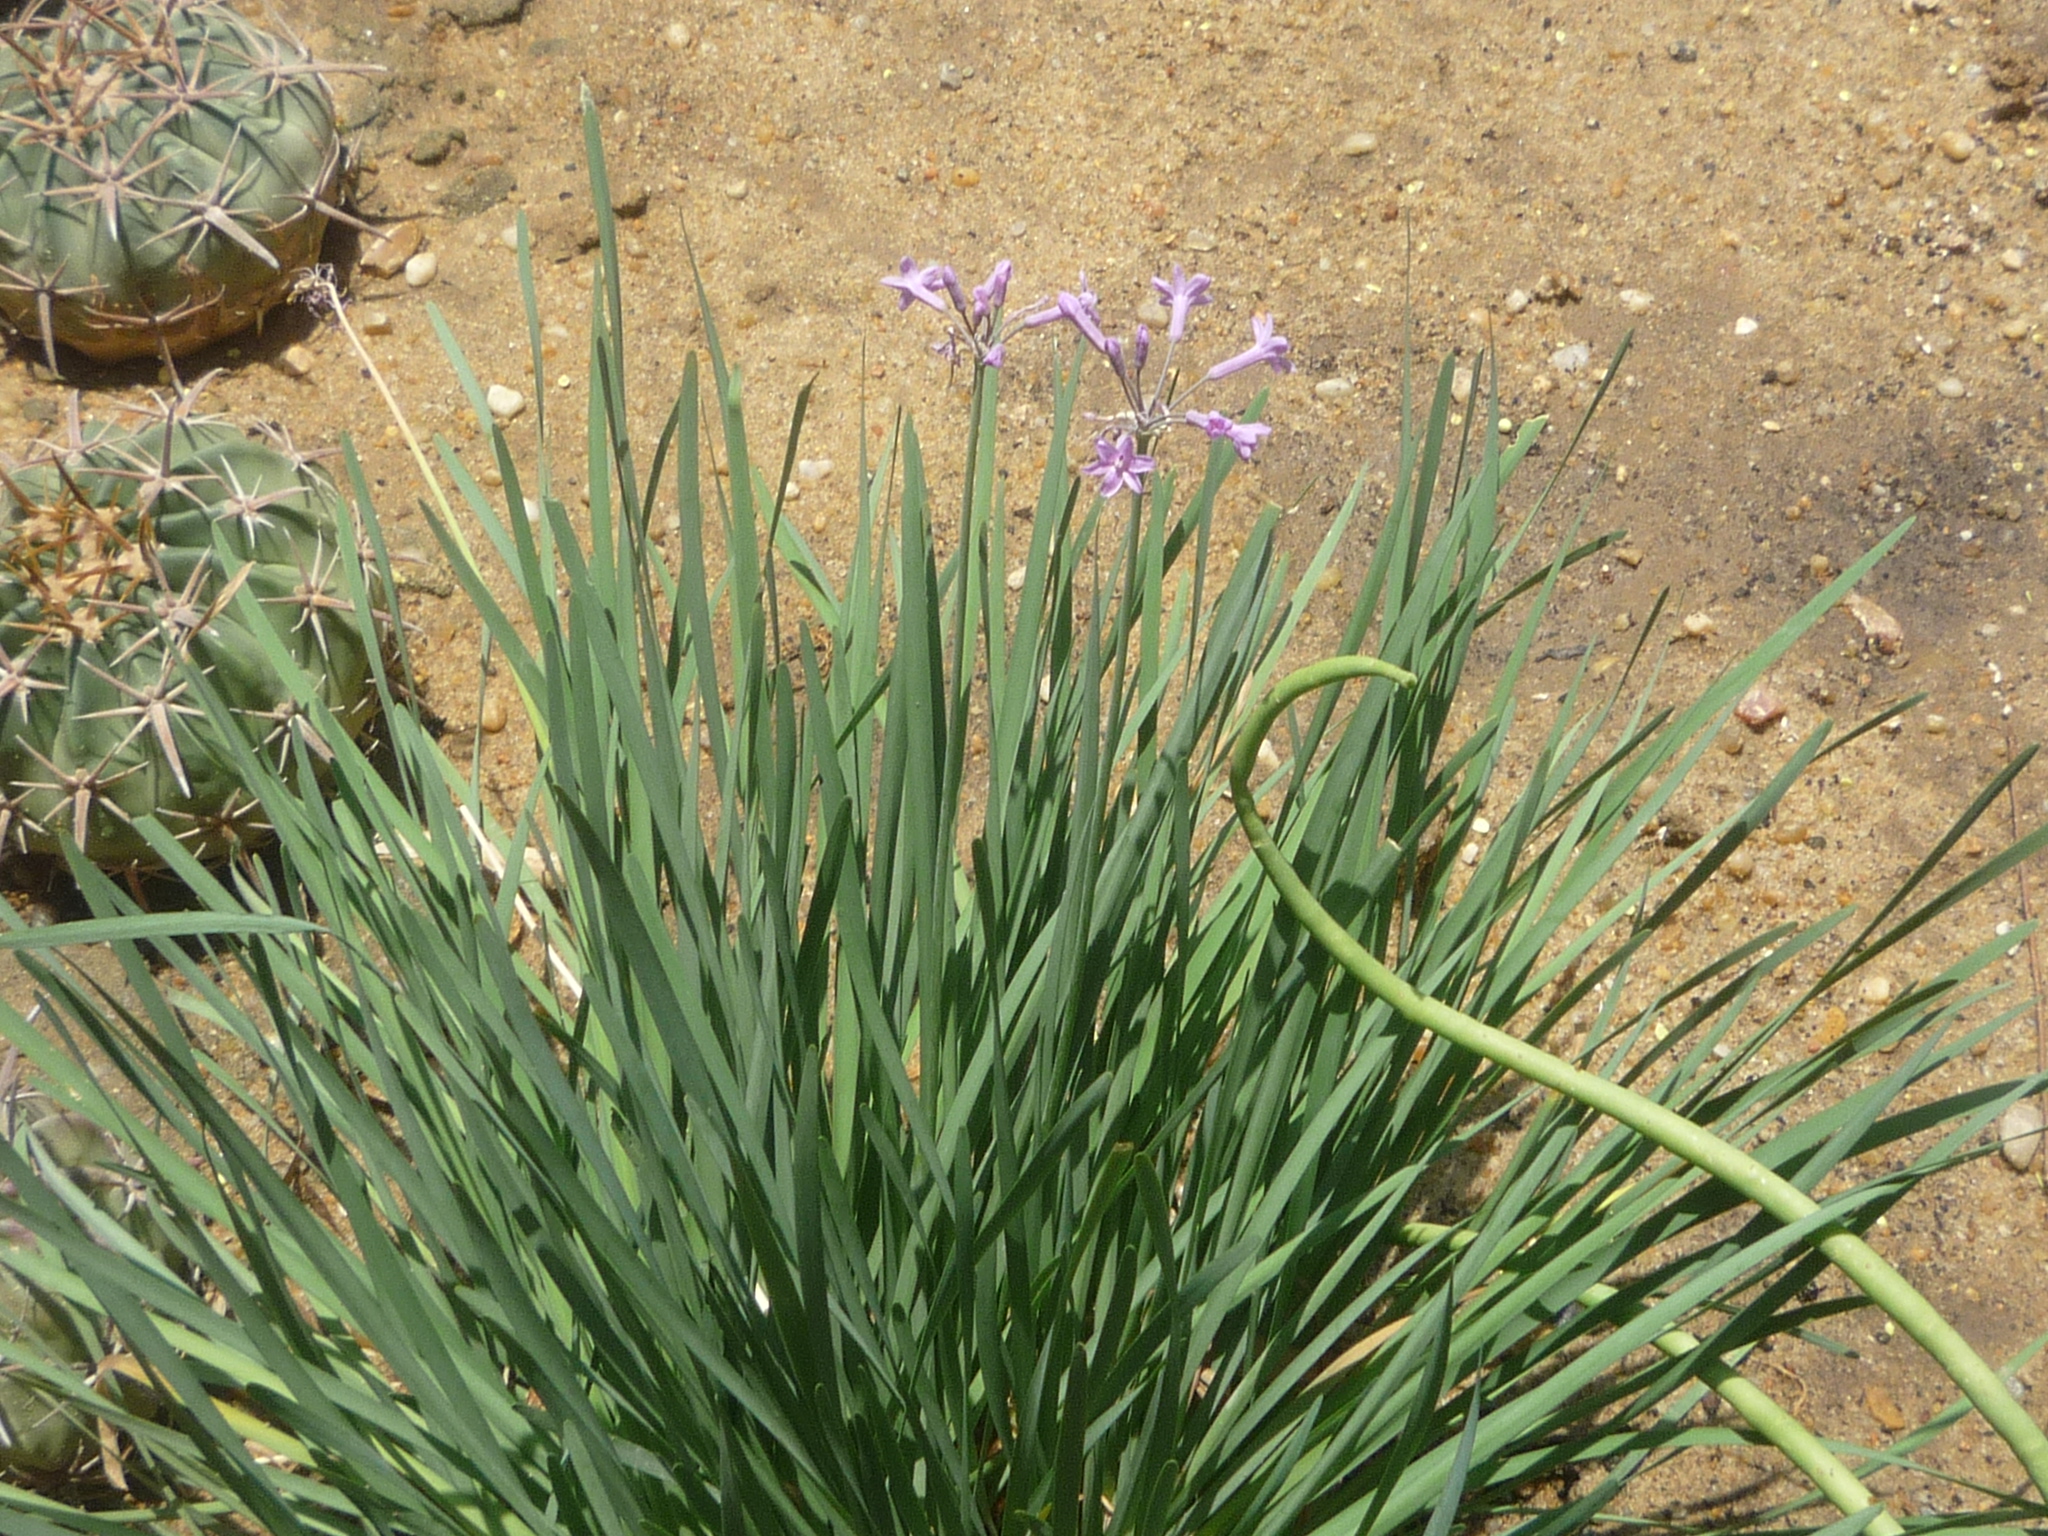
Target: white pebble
x=1570, y=359
x=296, y=361
x=1635, y=301
x=1333, y=389
x=420, y=269
x=1481, y=825
x=1469, y=854
x=1876, y=990
x=1517, y=300
x=533, y=511
x=737, y=189
x=2019, y=1134
x=509, y=237
x=2012, y=258
x=1951, y=388
x=813, y=470
x=1357, y=144
x=1745, y=326
x=1015, y=580
x=505, y=403
x=676, y=34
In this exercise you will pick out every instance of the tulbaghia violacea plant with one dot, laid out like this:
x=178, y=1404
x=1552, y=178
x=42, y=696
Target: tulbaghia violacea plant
x=976, y=327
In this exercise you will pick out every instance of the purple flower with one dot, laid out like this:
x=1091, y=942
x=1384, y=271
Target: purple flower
x=1265, y=348
x=1244, y=436
x=1183, y=293
x=1118, y=465
x=1079, y=310
x=1141, y=344
x=993, y=357
x=989, y=296
x=913, y=285
x=953, y=289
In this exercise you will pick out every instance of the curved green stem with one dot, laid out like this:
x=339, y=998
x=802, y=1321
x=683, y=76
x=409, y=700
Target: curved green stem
x=1756, y=1407
x=1677, y=1135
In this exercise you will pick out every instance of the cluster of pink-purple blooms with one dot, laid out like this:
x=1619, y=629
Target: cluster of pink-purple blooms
x=975, y=326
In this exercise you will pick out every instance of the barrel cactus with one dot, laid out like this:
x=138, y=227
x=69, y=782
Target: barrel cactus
x=164, y=174
x=127, y=562
x=44, y=1432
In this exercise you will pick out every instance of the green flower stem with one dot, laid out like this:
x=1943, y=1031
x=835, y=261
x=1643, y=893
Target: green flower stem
x=1757, y=1408
x=1849, y=1253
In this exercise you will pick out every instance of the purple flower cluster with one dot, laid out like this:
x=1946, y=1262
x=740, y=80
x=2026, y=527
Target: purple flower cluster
x=975, y=325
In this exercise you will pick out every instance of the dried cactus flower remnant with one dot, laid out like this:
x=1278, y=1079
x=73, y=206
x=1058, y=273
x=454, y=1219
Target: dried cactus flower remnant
x=165, y=168
x=131, y=564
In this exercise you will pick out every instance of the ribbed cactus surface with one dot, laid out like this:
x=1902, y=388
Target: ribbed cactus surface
x=163, y=174
x=130, y=565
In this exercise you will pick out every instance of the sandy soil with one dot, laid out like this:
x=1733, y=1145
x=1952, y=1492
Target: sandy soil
x=1825, y=224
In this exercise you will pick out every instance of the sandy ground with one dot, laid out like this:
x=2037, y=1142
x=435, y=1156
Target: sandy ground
x=1824, y=224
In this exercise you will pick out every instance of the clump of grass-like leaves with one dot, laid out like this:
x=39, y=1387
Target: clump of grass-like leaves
x=834, y=1159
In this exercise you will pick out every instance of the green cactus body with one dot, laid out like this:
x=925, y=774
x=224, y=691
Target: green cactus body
x=125, y=564
x=163, y=177
x=44, y=1435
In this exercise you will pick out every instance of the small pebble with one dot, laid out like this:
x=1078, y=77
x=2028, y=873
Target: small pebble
x=1461, y=386
x=296, y=361
x=2019, y=1135
x=1698, y=626
x=492, y=720
x=374, y=322
x=1357, y=144
x=505, y=402
x=677, y=35
x=949, y=77
x=1518, y=299
x=1622, y=622
x=1759, y=707
x=2012, y=258
x=1741, y=864
x=1682, y=52
x=1784, y=371
x=1635, y=301
x=813, y=470
x=1956, y=144
x=1015, y=580
x=1745, y=326
x=420, y=270
x=1629, y=556
x=1201, y=240
x=737, y=189
x=966, y=176
x=1876, y=990
x=1881, y=632
x=1571, y=358
x=1888, y=174
x=1951, y=388
x=387, y=255
x=1469, y=855
x=2015, y=329
x=1481, y=826
x=1937, y=725
x=1333, y=389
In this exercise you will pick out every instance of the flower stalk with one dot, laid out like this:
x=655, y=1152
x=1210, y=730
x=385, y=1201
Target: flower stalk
x=1861, y=1263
